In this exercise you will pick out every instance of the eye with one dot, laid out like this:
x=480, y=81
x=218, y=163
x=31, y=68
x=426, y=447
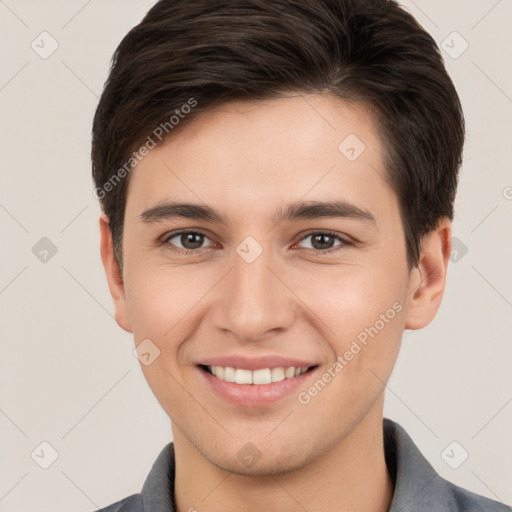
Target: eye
x=185, y=241
x=189, y=242
x=323, y=241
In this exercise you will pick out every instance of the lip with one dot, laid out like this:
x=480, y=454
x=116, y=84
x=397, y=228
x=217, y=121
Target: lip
x=254, y=395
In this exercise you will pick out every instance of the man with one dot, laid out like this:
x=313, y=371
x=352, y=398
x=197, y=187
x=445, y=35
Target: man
x=277, y=182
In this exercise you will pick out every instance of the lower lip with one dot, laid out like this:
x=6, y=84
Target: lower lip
x=255, y=395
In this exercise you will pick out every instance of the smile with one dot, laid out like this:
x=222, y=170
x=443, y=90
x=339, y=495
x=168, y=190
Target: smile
x=260, y=386
x=260, y=376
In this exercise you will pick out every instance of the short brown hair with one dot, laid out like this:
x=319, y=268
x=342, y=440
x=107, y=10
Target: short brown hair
x=216, y=51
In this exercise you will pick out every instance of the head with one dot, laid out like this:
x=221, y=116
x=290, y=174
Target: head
x=243, y=109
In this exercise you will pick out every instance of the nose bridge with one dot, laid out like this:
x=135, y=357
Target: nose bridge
x=254, y=301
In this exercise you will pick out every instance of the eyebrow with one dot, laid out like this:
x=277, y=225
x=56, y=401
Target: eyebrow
x=300, y=210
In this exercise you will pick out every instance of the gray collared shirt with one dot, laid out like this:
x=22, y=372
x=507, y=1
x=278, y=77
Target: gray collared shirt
x=418, y=488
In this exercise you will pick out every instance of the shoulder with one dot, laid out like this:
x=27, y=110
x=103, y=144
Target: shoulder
x=468, y=501
x=418, y=487
x=157, y=491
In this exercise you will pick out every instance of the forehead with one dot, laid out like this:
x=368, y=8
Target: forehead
x=247, y=156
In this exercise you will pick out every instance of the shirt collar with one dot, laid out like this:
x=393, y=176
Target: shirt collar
x=417, y=484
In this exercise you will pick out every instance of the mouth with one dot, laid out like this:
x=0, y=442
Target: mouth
x=260, y=376
x=259, y=386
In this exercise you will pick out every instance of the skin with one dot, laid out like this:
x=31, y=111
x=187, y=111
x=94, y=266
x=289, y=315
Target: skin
x=247, y=160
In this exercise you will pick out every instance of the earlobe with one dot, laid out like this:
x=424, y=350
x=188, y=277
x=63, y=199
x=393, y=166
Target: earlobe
x=427, y=280
x=113, y=274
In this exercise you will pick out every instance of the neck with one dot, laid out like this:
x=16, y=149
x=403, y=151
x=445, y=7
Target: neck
x=351, y=476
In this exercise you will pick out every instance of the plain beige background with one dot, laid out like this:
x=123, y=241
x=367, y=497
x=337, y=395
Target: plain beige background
x=68, y=376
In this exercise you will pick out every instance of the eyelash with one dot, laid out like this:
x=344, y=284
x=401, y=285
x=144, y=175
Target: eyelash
x=171, y=248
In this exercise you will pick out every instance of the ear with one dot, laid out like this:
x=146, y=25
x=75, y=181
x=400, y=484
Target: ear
x=427, y=279
x=114, y=277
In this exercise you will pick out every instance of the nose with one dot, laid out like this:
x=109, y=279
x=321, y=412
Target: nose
x=253, y=300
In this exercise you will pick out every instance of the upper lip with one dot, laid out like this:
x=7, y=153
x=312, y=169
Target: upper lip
x=255, y=363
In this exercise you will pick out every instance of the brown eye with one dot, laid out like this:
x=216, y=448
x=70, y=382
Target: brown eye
x=323, y=241
x=186, y=240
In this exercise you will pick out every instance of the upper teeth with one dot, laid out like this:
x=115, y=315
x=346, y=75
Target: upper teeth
x=261, y=376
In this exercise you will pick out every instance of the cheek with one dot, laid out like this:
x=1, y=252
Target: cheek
x=160, y=297
x=161, y=303
x=362, y=318
x=352, y=298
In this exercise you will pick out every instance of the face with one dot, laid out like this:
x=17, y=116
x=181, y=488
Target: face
x=291, y=255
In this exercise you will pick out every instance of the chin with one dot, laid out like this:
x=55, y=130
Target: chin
x=268, y=465
x=255, y=458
